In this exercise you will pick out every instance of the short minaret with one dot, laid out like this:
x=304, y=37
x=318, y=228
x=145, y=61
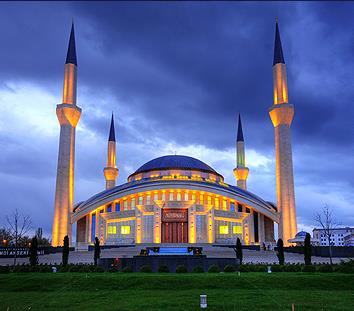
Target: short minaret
x=281, y=114
x=111, y=170
x=68, y=115
x=241, y=171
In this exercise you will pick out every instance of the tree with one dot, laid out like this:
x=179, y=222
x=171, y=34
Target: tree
x=307, y=249
x=97, y=251
x=42, y=241
x=33, y=252
x=65, y=257
x=328, y=223
x=280, y=251
x=5, y=237
x=18, y=226
x=238, y=250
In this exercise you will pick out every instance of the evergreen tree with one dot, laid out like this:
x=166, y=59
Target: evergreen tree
x=33, y=252
x=65, y=257
x=97, y=251
x=238, y=250
x=280, y=251
x=307, y=249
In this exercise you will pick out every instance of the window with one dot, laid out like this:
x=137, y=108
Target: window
x=248, y=210
x=109, y=208
x=171, y=196
x=112, y=229
x=194, y=197
x=224, y=229
x=239, y=208
x=117, y=207
x=125, y=229
x=148, y=199
x=217, y=203
x=237, y=229
x=179, y=196
x=140, y=200
x=232, y=206
x=133, y=202
x=201, y=199
x=93, y=227
x=186, y=196
x=156, y=197
x=125, y=205
x=224, y=205
x=163, y=197
x=101, y=211
x=209, y=200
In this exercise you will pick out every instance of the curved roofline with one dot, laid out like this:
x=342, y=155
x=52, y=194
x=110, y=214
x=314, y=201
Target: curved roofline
x=208, y=168
x=106, y=196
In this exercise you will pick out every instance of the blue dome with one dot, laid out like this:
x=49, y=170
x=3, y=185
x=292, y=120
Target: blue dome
x=175, y=162
x=301, y=233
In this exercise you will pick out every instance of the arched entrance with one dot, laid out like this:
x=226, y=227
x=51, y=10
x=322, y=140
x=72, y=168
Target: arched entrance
x=174, y=225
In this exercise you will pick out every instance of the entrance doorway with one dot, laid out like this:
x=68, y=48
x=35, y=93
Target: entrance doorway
x=174, y=225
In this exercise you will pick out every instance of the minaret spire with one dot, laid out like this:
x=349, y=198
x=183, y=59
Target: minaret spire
x=111, y=170
x=281, y=114
x=68, y=115
x=241, y=171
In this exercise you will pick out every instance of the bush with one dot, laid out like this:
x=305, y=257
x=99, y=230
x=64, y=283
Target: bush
x=181, y=269
x=229, y=268
x=324, y=268
x=244, y=268
x=308, y=268
x=4, y=269
x=292, y=268
x=213, y=269
x=198, y=269
x=45, y=268
x=21, y=268
x=145, y=269
x=163, y=269
x=277, y=268
x=127, y=269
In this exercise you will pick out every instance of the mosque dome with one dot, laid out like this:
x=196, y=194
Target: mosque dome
x=179, y=163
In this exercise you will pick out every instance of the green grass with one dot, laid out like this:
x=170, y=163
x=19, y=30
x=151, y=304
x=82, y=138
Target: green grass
x=138, y=291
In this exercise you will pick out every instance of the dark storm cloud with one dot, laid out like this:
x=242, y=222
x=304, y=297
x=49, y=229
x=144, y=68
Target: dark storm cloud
x=182, y=71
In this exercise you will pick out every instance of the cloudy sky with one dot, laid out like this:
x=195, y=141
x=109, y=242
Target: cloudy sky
x=176, y=75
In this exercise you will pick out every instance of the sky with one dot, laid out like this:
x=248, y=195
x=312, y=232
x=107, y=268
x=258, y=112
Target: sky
x=176, y=75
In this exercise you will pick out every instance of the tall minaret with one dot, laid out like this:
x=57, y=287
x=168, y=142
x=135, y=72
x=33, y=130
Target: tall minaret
x=68, y=115
x=282, y=114
x=241, y=171
x=111, y=170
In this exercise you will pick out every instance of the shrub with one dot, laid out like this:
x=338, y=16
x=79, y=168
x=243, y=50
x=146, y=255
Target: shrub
x=181, y=269
x=62, y=268
x=45, y=268
x=244, y=268
x=21, y=268
x=238, y=250
x=307, y=249
x=277, y=268
x=97, y=269
x=4, y=269
x=292, y=268
x=145, y=269
x=308, y=268
x=280, y=252
x=164, y=269
x=33, y=252
x=213, y=269
x=198, y=269
x=127, y=269
x=229, y=268
x=65, y=256
x=324, y=268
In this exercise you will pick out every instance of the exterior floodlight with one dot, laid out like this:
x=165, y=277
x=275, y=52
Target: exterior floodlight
x=203, y=301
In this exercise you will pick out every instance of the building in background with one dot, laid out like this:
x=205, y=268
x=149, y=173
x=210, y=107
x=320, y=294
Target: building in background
x=175, y=198
x=339, y=236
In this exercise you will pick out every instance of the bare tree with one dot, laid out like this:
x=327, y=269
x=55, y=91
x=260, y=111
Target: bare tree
x=18, y=226
x=328, y=223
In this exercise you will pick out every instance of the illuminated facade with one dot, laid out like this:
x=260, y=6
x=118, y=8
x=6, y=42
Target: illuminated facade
x=175, y=198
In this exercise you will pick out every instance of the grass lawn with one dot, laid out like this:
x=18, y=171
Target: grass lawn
x=152, y=291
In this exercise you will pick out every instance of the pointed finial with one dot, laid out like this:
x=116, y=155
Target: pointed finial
x=278, y=50
x=112, y=134
x=71, y=54
x=239, y=129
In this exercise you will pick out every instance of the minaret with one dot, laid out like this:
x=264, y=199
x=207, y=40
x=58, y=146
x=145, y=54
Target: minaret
x=111, y=170
x=241, y=171
x=281, y=114
x=68, y=115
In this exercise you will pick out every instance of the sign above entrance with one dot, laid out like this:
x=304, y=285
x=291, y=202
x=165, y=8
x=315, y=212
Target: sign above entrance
x=174, y=215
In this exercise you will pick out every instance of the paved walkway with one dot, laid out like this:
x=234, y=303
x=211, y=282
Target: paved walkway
x=249, y=256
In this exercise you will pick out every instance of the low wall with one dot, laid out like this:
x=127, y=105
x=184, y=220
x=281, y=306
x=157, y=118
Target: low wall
x=171, y=261
x=323, y=251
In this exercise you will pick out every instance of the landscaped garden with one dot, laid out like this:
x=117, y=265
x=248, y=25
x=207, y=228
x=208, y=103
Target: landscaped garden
x=176, y=291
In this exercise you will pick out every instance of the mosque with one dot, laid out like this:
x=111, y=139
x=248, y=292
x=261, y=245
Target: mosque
x=174, y=198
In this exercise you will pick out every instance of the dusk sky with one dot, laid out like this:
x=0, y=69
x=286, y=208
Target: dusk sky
x=176, y=75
